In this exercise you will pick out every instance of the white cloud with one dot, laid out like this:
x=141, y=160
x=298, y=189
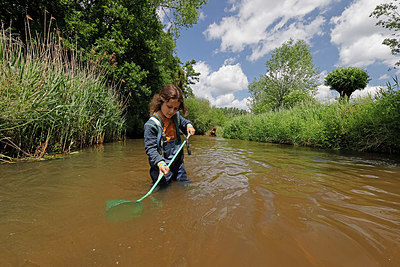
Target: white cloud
x=219, y=87
x=224, y=100
x=231, y=60
x=163, y=14
x=358, y=38
x=297, y=30
x=201, y=88
x=229, y=101
x=325, y=95
x=367, y=91
x=321, y=76
x=229, y=78
x=202, y=16
x=241, y=104
x=262, y=25
x=384, y=77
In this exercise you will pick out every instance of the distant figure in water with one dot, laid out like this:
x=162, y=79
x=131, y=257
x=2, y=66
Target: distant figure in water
x=213, y=132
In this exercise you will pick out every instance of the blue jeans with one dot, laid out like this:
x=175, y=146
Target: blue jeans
x=177, y=172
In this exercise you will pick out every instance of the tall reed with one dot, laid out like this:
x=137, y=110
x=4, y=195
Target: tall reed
x=50, y=101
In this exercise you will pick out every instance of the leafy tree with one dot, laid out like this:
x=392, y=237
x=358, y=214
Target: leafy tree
x=131, y=33
x=181, y=13
x=233, y=112
x=37, y=14
x=186, y=76
x=127, y=34
x=260, y=101
x=389, y=19
x=347, y=80
x=199, y=113
x=289, y=70
x=203, y=115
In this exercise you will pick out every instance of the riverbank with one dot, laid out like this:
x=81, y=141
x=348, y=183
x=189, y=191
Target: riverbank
x=369, y=125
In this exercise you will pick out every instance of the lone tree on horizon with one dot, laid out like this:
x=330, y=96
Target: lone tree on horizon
x=290, y=78
x=347, y=80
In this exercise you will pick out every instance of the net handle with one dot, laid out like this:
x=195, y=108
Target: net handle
x=162, y=174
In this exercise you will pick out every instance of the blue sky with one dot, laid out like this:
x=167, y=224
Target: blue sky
x=234, y=38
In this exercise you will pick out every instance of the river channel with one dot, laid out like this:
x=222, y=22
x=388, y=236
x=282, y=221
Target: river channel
x=248, y=204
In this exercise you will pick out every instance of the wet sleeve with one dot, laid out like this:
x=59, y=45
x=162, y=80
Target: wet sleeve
x=150, y=145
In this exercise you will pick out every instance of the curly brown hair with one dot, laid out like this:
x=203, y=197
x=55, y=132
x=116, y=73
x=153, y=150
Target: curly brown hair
x=170, y=91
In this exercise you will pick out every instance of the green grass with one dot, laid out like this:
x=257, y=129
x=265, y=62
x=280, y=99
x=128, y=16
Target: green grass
x=365, y=125
x=50, y=102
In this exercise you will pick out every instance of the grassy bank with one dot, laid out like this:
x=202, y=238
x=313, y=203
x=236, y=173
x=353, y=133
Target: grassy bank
x=50, y=102
x=366, y=125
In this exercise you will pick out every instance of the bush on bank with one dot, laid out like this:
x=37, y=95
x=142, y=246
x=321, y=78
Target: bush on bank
x=203, y=116
x=52, y=103
x=365, y=125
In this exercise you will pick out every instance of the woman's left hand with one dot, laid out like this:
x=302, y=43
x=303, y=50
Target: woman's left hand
x=191, y=130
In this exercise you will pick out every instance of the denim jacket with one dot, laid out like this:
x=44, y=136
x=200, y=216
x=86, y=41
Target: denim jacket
x=152, y=133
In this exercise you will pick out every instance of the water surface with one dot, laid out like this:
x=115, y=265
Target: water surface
x=249, y=204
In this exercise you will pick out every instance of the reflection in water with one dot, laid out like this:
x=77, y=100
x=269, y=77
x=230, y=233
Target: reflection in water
x=248, y=204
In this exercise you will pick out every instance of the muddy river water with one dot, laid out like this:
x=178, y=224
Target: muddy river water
x=249, y=204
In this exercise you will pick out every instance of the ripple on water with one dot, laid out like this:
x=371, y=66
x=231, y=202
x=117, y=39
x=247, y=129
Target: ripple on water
x=249, y=203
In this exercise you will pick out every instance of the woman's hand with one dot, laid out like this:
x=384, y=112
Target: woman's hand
x=191, y=131
x=163, y=169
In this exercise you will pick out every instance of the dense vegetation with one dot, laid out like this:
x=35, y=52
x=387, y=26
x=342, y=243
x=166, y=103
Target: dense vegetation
x=365, y=125
x=126, y=34
x=59, y=59
x=205, y=117
x=50, y=101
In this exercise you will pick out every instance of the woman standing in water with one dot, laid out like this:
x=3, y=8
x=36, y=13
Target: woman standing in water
x=161, y=134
